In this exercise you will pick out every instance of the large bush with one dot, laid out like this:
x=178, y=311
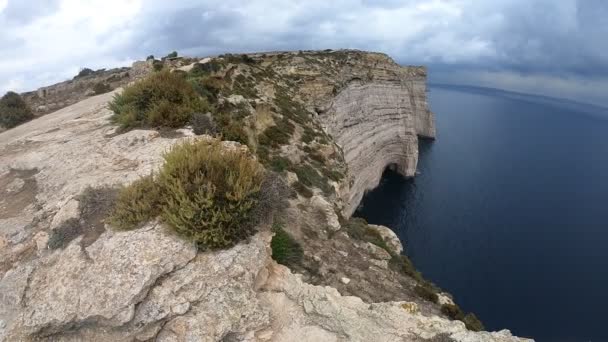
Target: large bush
x=206, y=193
x=13, y=110
x=163, y=99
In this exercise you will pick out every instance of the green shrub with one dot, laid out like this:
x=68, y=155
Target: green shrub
x=310, y=177
x=172, y=55
x=285, y=249
x=101, y=88
x=163, y=99
x=84, y=72
x=151, y=57
x=278, y=134
x=203, y=124
x=280, y=164
x=203, y=69
x=136, y=204
x=452, y=311
x=13, y=110
x=204, y=192
x=209, y=193
x=402, y=264
x=473, y=323
x=357, y=228
x=426, y=293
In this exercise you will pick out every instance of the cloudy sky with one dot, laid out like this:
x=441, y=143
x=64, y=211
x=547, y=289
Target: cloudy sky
x=551, y=47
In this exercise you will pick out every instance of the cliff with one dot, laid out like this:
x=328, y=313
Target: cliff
x=66, y=275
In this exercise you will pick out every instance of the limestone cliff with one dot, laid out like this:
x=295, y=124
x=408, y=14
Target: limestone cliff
x=350, y=110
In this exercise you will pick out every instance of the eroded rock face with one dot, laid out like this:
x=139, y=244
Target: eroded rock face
x=303, y=312
x=136, y=285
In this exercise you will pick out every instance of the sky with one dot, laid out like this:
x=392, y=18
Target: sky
x=551, y=47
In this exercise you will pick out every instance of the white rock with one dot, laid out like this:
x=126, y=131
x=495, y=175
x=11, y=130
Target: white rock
x=444, y=298
x=68, y=211
x=319, y=202
x=391, y=239
x=41, y=239
x=345, y=280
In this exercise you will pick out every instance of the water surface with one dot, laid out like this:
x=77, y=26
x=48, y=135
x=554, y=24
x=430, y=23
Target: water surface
x=509, y=211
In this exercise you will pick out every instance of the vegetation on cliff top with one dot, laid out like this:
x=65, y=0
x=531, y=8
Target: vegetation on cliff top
x=163, y=99
x=204, y=192
x=13, y=110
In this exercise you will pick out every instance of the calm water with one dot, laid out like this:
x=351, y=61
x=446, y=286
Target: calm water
x=510, y=211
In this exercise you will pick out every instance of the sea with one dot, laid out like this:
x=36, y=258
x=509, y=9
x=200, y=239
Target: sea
x=508, y=211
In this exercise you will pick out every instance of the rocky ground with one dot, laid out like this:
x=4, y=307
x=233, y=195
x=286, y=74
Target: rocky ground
x=67, y=276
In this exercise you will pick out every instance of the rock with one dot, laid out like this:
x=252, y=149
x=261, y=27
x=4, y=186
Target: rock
x=3, y=243
x=444, y=298
x=74, y=288
x=410, y=307
x=304, y=312
x=327, y=209
x=345, y=280
x=291, y=177
x=376, y=252
x=15, y=186
x=41, y=239
x=68, y=211
x=343, y=253
x=391, y=239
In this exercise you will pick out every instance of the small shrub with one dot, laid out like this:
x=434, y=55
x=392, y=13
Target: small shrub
x=271, y=200
x=101, y=88
x=280, y=164
x=302, y=189
x=204, y=192
x=158, y=65
x=278, y=134
x=209, y=193
x=203, y=69
x=357, y=228
x=136, y=204
x=172, y=55
x=426, y=293
x=13, y=110
x=285, y=249
x=310, y=177
x=403, y=265
x=65, y=233
x=84, y=72
x=151, y=57
x=452, y=311
x=332, y=174
x=203, y=124
x=163, y=99
x=96, y=203
x=473, y=323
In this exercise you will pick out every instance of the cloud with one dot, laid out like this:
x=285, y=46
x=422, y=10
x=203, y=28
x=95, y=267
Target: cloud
x=502, y=42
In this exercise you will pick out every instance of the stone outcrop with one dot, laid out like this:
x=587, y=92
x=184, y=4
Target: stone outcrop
x=148, y=284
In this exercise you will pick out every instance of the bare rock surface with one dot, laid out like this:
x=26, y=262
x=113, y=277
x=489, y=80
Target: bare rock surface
x=303, y=312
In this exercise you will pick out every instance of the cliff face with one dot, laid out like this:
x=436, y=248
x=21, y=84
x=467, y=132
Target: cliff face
x=377, y=121
x=99, y=284
x=374, y=109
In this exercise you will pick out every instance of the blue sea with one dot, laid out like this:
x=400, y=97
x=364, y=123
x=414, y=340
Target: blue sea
x=509, y=211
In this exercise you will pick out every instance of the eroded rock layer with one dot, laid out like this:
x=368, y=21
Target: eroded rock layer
x=377, y=123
